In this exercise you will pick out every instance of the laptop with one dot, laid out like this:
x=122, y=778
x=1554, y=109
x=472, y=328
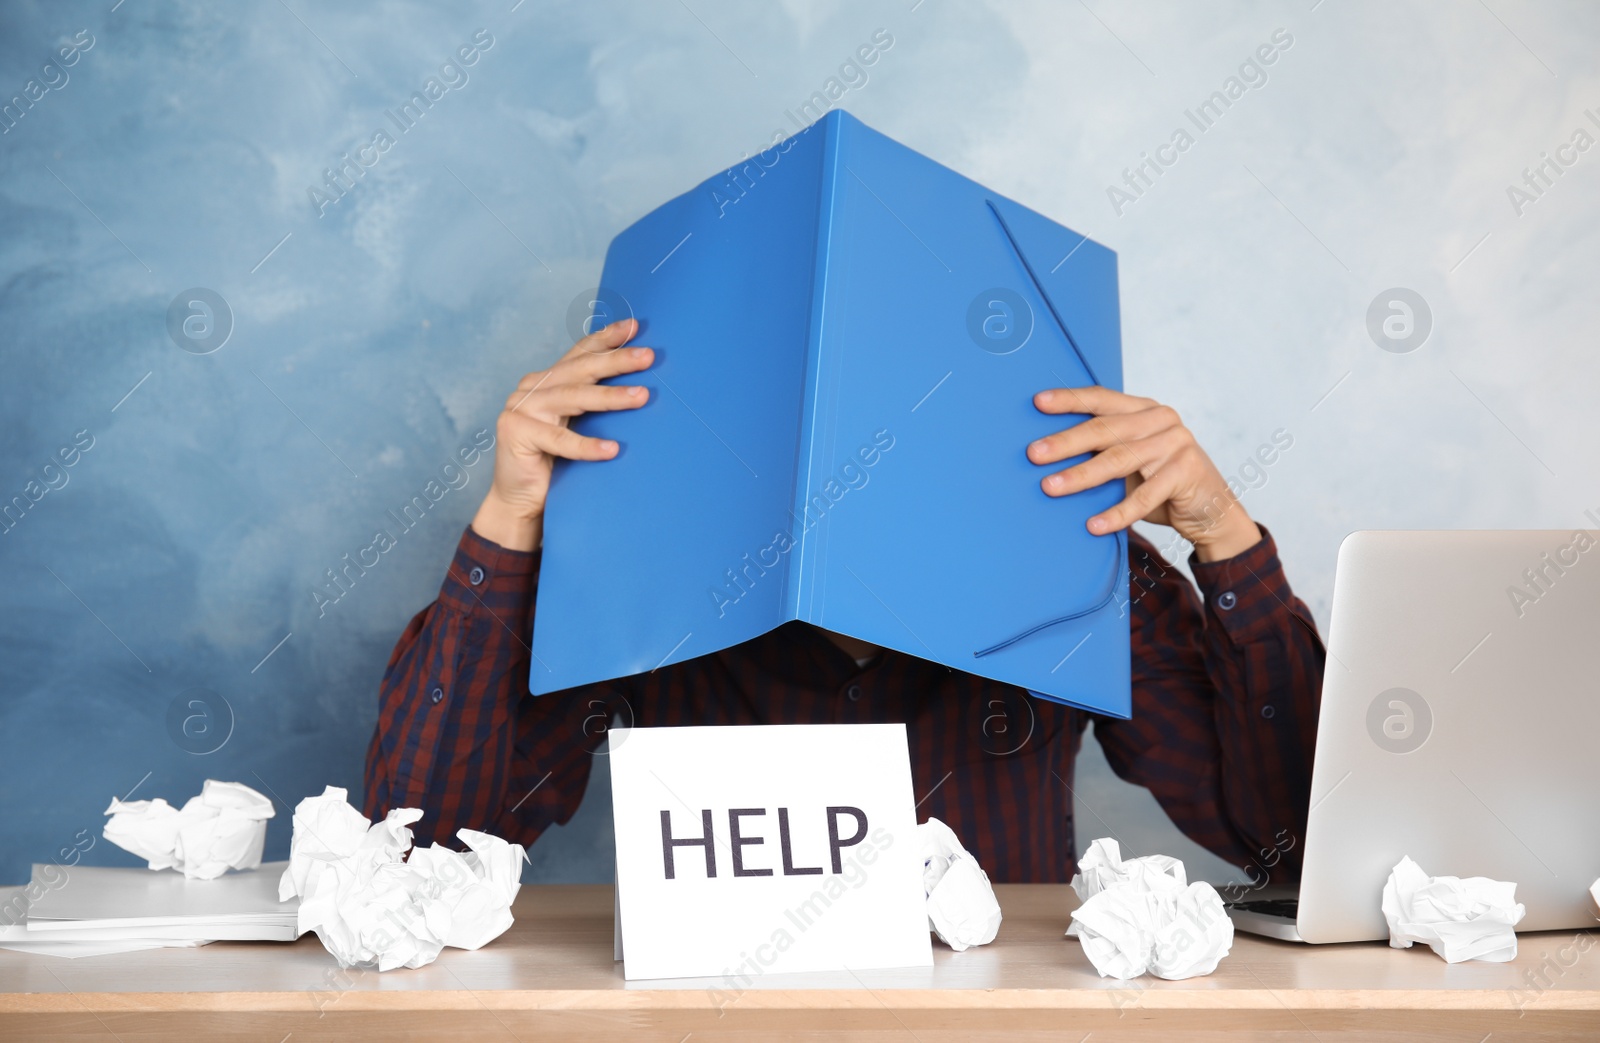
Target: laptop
x=1459, y=725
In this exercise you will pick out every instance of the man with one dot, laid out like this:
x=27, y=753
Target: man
x=1225, y=693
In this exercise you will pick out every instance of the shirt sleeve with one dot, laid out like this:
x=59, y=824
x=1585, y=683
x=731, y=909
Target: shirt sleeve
x=1226, y=687
x=458, y=733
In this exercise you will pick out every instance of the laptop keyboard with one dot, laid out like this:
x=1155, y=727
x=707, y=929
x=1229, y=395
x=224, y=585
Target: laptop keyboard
x=1288, y=908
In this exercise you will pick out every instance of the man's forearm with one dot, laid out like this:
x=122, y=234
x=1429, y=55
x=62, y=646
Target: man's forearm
x=448, y=705
x=1264, y=655
x=1225, y=694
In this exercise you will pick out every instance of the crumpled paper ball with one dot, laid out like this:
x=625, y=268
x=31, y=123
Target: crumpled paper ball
x=962, y=909
x=1471, y=919
x=1141, y=915
x=371, y=907
x=222, y=828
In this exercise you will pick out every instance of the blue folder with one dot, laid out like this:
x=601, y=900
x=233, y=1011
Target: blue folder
x=848, y=339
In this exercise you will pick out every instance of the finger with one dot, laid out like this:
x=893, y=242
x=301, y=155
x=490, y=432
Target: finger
x=1144, y=456
x=569, y=400
x=1102, y=432
x=582, y=370
x=1093, y=399
x=558, y=440
x=605, y=338
x=586, y=368
x=1152, y=494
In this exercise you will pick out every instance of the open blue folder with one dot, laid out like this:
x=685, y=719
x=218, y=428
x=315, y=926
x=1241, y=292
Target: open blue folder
x=848, y=340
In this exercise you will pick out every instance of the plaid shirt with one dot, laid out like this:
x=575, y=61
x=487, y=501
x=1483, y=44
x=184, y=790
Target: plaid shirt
x=1225, y=697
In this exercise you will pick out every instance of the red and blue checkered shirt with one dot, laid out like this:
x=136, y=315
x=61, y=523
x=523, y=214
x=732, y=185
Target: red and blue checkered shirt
x=1226, y=684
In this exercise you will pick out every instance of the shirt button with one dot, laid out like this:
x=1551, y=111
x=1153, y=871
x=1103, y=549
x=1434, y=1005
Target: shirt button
x=853, y=693
x=1268, y=712
x=475, y=576
x=436, y=696
x=1226, y=600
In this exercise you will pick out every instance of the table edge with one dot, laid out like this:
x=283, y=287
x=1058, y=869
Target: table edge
x=1147, y=999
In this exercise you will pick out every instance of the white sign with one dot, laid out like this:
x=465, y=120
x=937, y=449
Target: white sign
x=744, y=851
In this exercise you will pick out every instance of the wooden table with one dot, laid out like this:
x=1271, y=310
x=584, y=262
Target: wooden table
x=552, y=976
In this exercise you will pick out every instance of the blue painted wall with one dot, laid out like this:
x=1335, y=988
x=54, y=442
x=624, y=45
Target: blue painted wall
x=176, y=549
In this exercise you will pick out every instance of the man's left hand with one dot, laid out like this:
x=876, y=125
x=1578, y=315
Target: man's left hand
x=1170, y=479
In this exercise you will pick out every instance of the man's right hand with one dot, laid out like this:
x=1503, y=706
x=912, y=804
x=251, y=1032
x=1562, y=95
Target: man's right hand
x=533, y=430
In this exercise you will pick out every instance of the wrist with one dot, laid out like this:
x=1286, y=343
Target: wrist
x=1232, y=535
x=500, y=522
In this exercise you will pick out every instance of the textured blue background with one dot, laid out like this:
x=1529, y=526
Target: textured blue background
x=377, y=338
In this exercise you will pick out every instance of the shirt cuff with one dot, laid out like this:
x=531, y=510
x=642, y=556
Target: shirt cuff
x=1246, y=593
x=484, y=576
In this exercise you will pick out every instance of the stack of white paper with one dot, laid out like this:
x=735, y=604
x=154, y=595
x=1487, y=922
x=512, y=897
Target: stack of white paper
x=90, y=910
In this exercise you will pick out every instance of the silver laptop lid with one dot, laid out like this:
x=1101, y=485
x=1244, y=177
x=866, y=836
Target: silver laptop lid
x=1459, y=725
